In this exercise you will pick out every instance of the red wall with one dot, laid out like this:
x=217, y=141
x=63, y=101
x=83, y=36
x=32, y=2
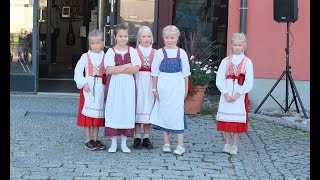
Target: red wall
x=267, y=39
x=165, y=16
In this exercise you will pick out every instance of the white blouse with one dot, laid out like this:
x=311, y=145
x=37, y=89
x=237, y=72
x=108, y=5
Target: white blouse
x=145, y=51
x=221, y=74
x=96, y=59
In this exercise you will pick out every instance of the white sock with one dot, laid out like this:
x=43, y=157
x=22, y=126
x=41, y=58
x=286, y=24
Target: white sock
x=124, y=146
x=146, y=136
x=137, y=135
x=114, y=141
x=123, y=141
x=113, y=147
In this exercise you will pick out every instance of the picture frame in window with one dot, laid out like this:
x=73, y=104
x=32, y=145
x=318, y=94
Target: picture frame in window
x=66, y=12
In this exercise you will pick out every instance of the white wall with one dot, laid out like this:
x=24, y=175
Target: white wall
x=262, y=87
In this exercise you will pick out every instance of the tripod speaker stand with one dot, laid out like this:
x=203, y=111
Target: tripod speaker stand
x=289, y=79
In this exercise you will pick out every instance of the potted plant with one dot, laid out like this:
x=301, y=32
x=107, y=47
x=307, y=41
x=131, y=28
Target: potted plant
x=203, y=70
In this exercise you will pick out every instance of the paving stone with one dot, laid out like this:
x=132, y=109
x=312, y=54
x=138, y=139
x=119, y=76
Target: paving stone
x=46, y=143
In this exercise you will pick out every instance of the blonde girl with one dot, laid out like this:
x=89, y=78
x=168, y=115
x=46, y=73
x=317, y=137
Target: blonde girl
x=92, y=90
x=170, y=71
x=234, y=80
x=145, y=97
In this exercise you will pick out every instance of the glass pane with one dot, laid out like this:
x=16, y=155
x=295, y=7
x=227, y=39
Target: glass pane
x=21, y=24
x=203, y=32
x=42, y=33
x=136, y=13
x=205, y=18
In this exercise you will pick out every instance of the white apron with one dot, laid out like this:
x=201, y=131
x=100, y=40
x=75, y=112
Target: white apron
x=234, y=111
x=145, y=97
x=120, y=105
x=94, y=100
x=169, y=111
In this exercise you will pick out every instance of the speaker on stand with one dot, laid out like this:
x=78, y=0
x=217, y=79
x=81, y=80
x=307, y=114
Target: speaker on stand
x=286, y=11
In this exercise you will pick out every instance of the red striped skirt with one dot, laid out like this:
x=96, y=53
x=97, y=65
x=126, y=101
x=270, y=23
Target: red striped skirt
x=84, y=120
x=117, y=132
x=234, y=126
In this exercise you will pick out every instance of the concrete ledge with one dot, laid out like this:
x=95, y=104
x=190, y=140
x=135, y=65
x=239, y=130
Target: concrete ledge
x=283, y=122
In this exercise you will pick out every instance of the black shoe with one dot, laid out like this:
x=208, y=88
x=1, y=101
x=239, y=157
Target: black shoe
x=99, y=145
x=90, y=145
x=137, y=143
x=147, y=143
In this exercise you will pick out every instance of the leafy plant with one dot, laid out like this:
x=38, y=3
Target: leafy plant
x=201, y=64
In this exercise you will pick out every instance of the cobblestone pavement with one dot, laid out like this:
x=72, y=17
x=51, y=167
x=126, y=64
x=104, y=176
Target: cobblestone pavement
x=46, y=143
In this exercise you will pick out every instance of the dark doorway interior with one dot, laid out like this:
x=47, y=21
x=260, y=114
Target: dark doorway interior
x=57, y=54
x=57, y=85
x=57, y=57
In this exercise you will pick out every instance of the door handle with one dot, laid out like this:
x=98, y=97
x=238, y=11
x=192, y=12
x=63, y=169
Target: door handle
x=111, y=37
x=108, y=36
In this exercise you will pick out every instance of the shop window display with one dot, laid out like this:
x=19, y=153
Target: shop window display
x=21, y=37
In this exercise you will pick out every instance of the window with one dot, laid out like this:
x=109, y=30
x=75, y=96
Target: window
x=21, y=24
x=207, y=18
x=136, y=13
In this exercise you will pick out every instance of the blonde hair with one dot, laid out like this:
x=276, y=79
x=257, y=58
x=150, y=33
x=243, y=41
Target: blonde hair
x=239, y=37
x=171, y=28
x=143, y=30
x=95, y=34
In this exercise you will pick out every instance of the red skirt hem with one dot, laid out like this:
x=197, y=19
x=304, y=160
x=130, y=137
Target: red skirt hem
x=235, y=126
x=232, y=127
x=117, y=132
x=85, y=120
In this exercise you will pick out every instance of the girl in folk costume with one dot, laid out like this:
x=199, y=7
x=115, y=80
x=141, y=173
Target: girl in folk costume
x=121, y=63
x=145, y=97
x=92, y=90
x=170, y=71
x=234, y=80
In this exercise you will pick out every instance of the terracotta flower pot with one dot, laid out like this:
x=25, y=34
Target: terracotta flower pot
x=192, y=104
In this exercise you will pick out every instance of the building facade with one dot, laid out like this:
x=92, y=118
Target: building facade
x=47, y=37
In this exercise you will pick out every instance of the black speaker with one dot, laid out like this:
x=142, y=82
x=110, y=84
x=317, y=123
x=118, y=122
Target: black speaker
x=285, y=10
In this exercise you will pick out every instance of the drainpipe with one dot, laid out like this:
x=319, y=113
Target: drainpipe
x=243, y=16
x=101, y=15
x=243, y=21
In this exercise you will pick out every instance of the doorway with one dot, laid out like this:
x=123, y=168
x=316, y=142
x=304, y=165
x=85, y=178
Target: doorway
x=60, y=43
x=64, y=26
